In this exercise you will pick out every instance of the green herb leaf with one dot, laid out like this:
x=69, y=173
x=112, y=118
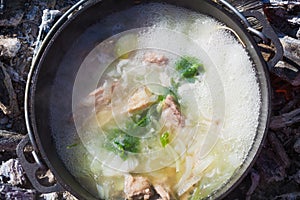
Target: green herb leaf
x=72, y=145
x=161, y=98
x=141, y=119
x=174, y=84
x=164, y=139
x=189, y=67
x=121, y=143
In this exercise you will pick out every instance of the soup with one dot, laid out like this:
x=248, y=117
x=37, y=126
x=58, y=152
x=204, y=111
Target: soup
x=166, y=107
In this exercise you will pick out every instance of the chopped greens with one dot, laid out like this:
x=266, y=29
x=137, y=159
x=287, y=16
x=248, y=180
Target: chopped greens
x=175, y=95
x=164, y=139
x=189, y=66
x=171, y=91
x=161, y=98
x=121, y=143
x=72, y=145
x=142, y=119
x=174, y=84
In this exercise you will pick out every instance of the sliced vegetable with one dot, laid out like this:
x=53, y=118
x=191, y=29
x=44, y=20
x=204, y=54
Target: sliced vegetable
x=158, y=89
x=186, y=174
x=188, y=184
x=121, y=143
x=164, y=139
x=189, y=67
x=175, y=156
x=196, y=194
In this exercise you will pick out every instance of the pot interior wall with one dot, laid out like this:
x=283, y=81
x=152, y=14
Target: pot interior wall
x=56, y=73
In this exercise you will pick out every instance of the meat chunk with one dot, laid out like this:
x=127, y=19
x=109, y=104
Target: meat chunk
x=95, y=95
x=97, y=101
x=141, y=99
x=162, y=192
x=100, y=96
x=155, y=58
x=137, y=187
x=171, y=114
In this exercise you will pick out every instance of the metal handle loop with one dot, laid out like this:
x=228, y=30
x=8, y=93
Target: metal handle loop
x=31, y=169
x=245, y=21
x=267, y=34
x=268, y=31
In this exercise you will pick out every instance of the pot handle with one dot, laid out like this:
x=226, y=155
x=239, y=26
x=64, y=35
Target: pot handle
x=270, y=34
x=32, y=168
x=266, y=35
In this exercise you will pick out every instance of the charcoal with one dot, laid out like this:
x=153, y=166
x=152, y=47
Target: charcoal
x=13, y=171
x=286, y=119
x=4, y=109
x=14, y=75
x=50, y=196
x=4, y=120
x=46, y=177
x=246, y=5
x=289, y=106
x=298, y=34
x=68, y=196
x=289, y=196
x=13, y=21
x=287, y=72
x=9, y=140
x=296, y=177
x=269, y=168
x=58, y=195
x=13, y=106
x=15, y=193
x=294, y=20
x=255, y=182
x=48, y=19
x=291, y=48
x=286, y=65
x=278, y=16
x=281, y=2
x=9, y=47
x=297, y=146
x=1, y=7
x=51, y=4
x=279, y=149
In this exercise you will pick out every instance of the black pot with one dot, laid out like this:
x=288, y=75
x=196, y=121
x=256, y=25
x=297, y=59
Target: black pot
x=65, y=48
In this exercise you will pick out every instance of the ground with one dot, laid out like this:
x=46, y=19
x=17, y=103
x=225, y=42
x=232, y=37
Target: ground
x=274, y=175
